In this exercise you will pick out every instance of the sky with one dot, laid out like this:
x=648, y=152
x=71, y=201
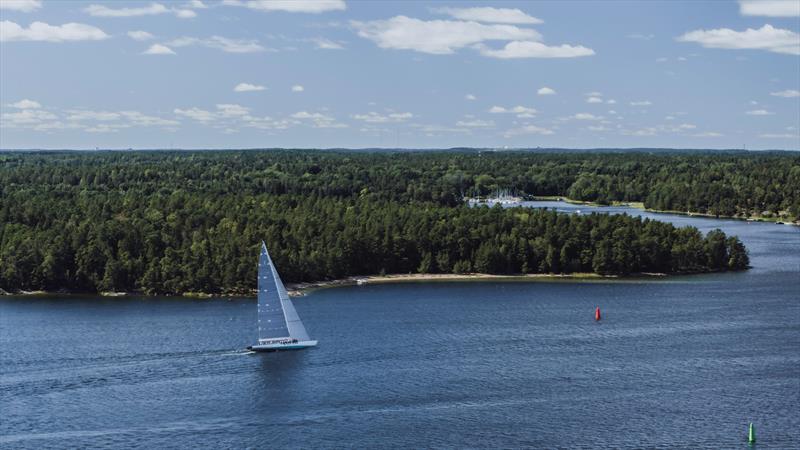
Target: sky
x=413, y=74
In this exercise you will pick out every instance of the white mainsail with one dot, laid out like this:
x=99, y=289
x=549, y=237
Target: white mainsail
x=277, y=317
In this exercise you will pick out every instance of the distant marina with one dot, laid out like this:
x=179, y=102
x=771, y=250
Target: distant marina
x=501, y=197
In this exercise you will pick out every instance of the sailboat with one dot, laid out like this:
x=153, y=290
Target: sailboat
x=279, y=326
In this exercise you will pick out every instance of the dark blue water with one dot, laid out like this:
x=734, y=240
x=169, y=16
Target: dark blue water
x=682, y=362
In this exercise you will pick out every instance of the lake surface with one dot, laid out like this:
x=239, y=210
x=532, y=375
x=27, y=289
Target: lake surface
x=678, y=362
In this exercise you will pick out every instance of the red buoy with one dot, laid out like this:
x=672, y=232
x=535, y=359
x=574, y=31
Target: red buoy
x=597, y=313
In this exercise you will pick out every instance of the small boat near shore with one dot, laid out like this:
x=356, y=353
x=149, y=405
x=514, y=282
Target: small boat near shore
x=279, y=326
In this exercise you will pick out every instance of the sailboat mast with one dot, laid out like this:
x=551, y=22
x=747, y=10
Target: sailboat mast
x=271, y=316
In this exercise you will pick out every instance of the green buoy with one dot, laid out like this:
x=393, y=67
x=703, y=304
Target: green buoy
x=751, y=435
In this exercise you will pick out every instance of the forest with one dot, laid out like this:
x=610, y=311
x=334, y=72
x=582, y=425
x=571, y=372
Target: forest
x=191, y=221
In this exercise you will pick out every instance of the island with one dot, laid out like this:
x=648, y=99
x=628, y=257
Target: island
x=190, y=222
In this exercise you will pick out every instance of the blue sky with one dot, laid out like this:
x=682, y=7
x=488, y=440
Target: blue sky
x=332, y=73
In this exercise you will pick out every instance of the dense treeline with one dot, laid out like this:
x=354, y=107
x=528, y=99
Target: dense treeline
x=179, y=242
x=192, y=221
x=722, y=183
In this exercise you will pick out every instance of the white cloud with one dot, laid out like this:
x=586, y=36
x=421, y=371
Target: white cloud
x=327, y=44
x=21, y=5
x=531, y=49
x=640, y=36
x=641, y=103
x=611, y=101
x=779, y=136
x=158, y=49
x=79, y=115
x=768, y=38
x=436, y=130
x=142, y=120
x=770, y=8
x=523, y=112
x=442, y=37
x=586, y=116
x=594, y=100
x=318, y=120
x=247, y=87
x=266, y=123
x=470, y=97
x=225, y=115
x=438, y=37
x=38, y=119
x=490, y=15
x=789, y=93
x=152, y=9
x=232, y=110
x=195, y=113
x=648, y=131
x=373, y=117
x=40, y=31
x=52, y=126
x=139, y=35
x=661, y=59
x=295, y=6
x=593, y=94
x=197, y=4
x=26, y=117
x=105, y=11
x=184, y=13
x=546, y=91
x=106, y=128
x=528, y=129
x=759, y=112
x=25, y=104
x=475, y=123
x=298, y=88
x=681, y=129
x=139, y=119
x=220, y=43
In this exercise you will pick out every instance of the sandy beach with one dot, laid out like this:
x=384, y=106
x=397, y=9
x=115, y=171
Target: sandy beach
x=299, y=289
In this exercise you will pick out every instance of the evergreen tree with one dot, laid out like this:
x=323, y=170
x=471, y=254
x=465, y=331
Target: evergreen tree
x=172, y=222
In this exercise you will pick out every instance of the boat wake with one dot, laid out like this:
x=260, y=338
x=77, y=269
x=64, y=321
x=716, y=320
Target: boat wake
x=238, y=353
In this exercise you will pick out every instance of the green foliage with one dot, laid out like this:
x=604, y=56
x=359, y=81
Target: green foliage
x=173, y=222
x=736, y=253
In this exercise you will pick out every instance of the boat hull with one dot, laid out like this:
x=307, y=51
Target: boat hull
x=282, y=347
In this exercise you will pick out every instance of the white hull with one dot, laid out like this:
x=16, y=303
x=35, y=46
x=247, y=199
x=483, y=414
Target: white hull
x=281, y=347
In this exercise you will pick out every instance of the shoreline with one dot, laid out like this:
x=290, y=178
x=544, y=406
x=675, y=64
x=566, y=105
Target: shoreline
x=298, y=289
x=640, y=206
x=301, y=289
